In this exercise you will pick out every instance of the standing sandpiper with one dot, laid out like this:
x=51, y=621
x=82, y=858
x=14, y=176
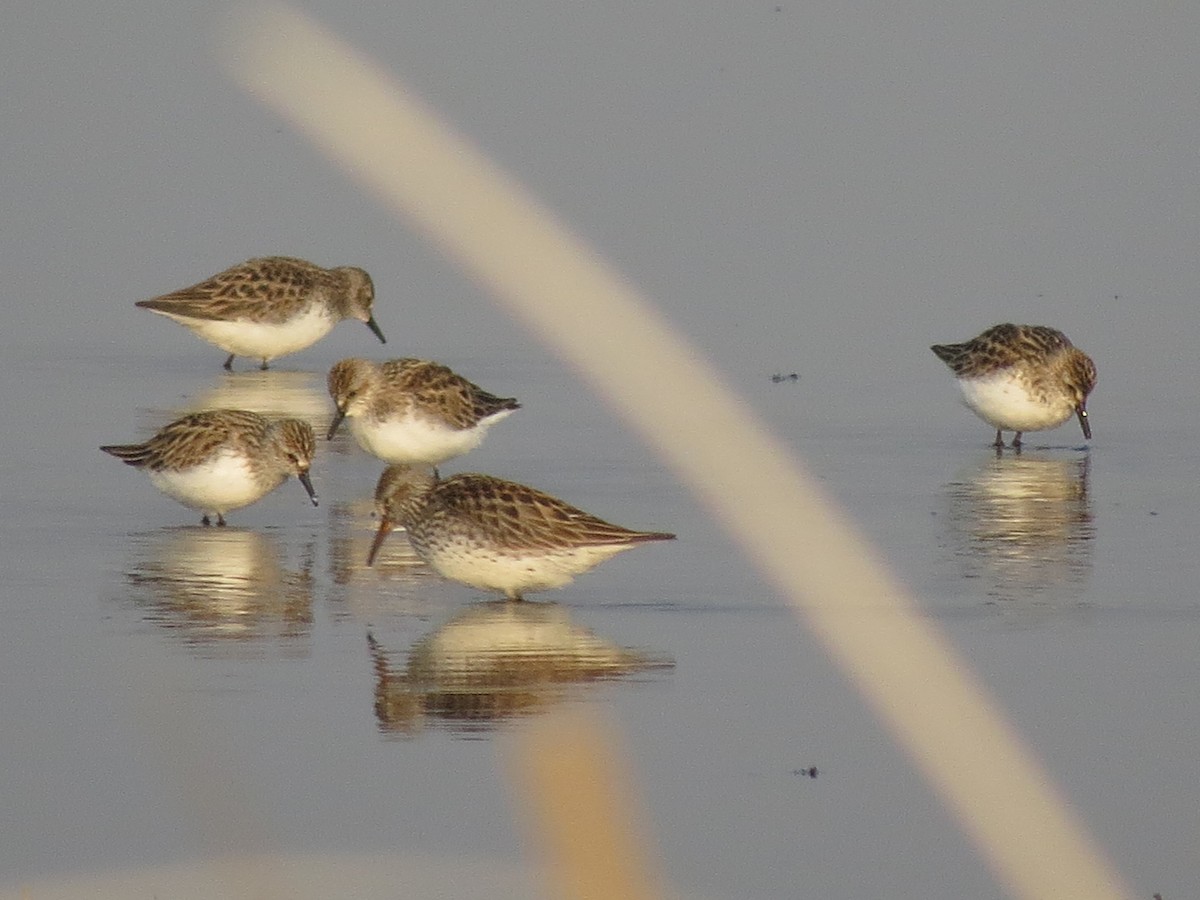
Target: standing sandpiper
x=1022, y=378
x=269, y=307
x=495, y=535
x=412, y=410
x=223, y=459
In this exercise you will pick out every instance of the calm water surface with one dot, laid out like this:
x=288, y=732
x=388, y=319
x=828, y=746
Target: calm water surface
x=818, y=191
x=173, y=693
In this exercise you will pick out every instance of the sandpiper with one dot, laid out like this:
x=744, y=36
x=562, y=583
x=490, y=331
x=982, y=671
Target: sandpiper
x=495, y=535
x=224, y=459
x=1022, y=378
x=412, y=410
x=268, y=307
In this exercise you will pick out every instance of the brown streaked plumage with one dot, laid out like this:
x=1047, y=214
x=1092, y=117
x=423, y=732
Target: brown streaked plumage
x=412, y=410
x=1022, y=378
x=224, y=459
x=268, y=307
x=494, y=534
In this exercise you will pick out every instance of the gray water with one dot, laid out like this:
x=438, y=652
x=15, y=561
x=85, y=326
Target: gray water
x=822, y=191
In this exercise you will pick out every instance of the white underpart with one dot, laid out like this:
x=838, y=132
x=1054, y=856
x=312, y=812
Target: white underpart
x=218, y=485
x=418, y=438
x=259, y=340
x=513, y=574
x=1003, y=402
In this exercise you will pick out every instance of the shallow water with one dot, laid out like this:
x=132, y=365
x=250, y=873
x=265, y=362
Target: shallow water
x=173, y=691
x=171, y=694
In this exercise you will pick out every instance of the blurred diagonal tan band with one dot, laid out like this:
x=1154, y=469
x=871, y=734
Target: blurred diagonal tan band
x=409, y=160
x=582, y=808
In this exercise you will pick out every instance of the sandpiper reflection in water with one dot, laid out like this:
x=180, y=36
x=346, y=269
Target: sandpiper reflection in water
x=1023, y=525
x=275, y=393
x=222, y=590
x=494, y=662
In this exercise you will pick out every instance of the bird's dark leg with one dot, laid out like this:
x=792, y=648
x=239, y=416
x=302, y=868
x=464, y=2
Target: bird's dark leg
x=205, y=522
x=999, y=442
x=264, y=365
x=1017, y=441
x=220, y=520
x=228, y=367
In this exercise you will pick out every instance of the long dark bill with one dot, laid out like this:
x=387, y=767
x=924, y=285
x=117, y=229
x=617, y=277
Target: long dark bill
x=1081, y=412
x=335, y=424
x=307, y=482
x=374, y=326
x=385, y=528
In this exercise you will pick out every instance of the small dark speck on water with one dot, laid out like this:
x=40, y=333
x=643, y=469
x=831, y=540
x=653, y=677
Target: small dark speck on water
x=1154, y=512
x=810, y=772
x=778, y=378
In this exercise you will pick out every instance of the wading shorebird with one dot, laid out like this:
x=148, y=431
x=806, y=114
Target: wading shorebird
x=495, y=535
x=268, y=307
x=223, y=459
x=1022, y=378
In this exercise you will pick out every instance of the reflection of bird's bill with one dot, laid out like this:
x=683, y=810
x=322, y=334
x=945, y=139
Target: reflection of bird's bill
x=374, y=326
x=308, y=486
x=1081, y=412
x=385, y=528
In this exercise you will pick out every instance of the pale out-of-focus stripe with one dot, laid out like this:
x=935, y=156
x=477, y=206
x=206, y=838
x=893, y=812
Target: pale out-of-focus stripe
x=582, y=810
x=379, y=132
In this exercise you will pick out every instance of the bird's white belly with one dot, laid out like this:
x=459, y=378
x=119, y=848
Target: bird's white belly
x=490, y=570
x=415, y=438
x=1005, y=403
x=261, y=340
x=218, y=485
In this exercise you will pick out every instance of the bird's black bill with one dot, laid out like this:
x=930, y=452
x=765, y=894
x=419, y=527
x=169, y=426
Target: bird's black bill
x=335, y=424
x=1083, y=422
x=374, y=326
x=385, y=528
x=307, y=482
